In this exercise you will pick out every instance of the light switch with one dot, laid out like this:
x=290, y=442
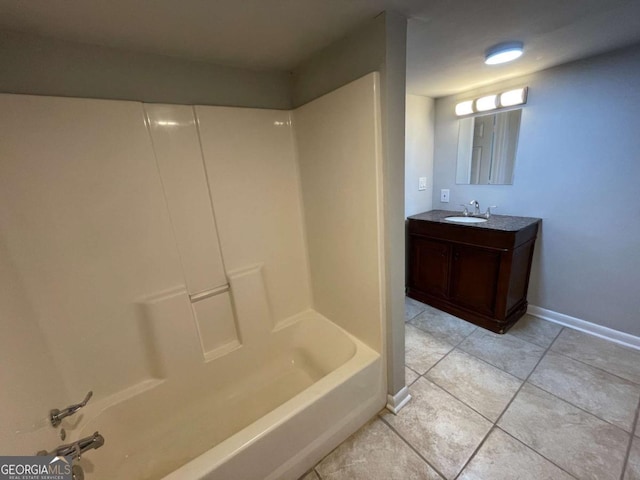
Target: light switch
x=422, y=183
x=444, y=195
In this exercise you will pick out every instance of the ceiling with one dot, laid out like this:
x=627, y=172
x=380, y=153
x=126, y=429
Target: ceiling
x=445, y=44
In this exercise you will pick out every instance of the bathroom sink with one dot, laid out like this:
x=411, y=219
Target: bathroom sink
x=466, y=219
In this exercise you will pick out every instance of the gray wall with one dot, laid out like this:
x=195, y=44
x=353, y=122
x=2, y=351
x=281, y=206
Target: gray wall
x=419, y=126
x=379, y=45
x=578, y=168
x=361, y=52
x=34, y=65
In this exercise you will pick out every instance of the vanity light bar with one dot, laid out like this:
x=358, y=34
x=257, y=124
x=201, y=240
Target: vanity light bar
x=510, y=98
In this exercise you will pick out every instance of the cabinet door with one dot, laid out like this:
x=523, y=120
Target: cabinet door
x=474, y=278
x=429, y=266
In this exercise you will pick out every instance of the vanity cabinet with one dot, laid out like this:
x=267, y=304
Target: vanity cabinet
x=478, y=272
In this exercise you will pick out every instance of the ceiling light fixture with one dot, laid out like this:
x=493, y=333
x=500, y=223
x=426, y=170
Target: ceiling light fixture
x=503, y=52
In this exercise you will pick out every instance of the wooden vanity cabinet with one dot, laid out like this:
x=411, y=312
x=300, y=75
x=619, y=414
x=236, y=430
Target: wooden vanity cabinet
x=478, y=274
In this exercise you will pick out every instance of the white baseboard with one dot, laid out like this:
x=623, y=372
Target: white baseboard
x=397, y=401
x=587, y=327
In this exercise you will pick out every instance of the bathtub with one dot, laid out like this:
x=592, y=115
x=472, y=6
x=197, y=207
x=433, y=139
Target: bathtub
x=260, y=412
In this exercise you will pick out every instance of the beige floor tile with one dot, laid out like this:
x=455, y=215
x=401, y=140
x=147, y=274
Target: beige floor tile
x=412, y=308
x=501, y=457
x=606, y=396
x=443, y=326
x=312, y=475
x=483, y=387
x=409, y=376
x=444, y=430
x=632, y=471
x=422, y=351
x=580, y=443
x=375, y=452
x=535, y=330
x=509, y=353
x=609, y=356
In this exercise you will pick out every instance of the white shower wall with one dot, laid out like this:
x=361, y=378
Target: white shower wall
x=342, y=187
x=84, y=223
x=252, y=172
x=144, y=243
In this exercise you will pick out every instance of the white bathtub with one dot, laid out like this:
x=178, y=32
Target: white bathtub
x=266, y=412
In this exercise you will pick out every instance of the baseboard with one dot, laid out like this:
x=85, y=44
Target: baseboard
x=397, y=401
x=587, y=327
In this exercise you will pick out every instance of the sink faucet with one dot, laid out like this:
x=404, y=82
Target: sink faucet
x=476, y=207
x=56, y=415
x=76, y=449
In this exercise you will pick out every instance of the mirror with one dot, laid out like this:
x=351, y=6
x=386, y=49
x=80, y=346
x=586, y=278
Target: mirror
x=487, y=147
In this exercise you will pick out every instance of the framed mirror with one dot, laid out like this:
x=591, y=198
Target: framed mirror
x=487, y=146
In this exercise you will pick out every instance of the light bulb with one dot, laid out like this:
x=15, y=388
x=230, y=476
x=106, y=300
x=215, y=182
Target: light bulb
x=486, y=103
x=464, y=108
x=512, y=97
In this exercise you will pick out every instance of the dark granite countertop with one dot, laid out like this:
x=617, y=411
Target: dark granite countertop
x=505, y=223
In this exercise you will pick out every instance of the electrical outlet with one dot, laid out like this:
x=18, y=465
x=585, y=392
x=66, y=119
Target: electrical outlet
x=422, y=183
x=444, y=195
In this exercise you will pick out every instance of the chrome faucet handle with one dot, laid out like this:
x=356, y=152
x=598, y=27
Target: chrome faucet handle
x=488, y=212
x=77, y=448
x=56, y=415
x=465, y=212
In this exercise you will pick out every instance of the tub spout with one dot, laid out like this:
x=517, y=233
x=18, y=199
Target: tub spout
x=76, y=449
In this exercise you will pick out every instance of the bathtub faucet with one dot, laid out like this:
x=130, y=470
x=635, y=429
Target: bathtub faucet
x=76, y=449
x=56, y=415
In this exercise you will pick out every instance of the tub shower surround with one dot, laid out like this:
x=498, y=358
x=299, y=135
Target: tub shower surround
x=195, y=259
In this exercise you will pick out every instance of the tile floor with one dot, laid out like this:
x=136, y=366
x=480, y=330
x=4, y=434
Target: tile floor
x=541, y=402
